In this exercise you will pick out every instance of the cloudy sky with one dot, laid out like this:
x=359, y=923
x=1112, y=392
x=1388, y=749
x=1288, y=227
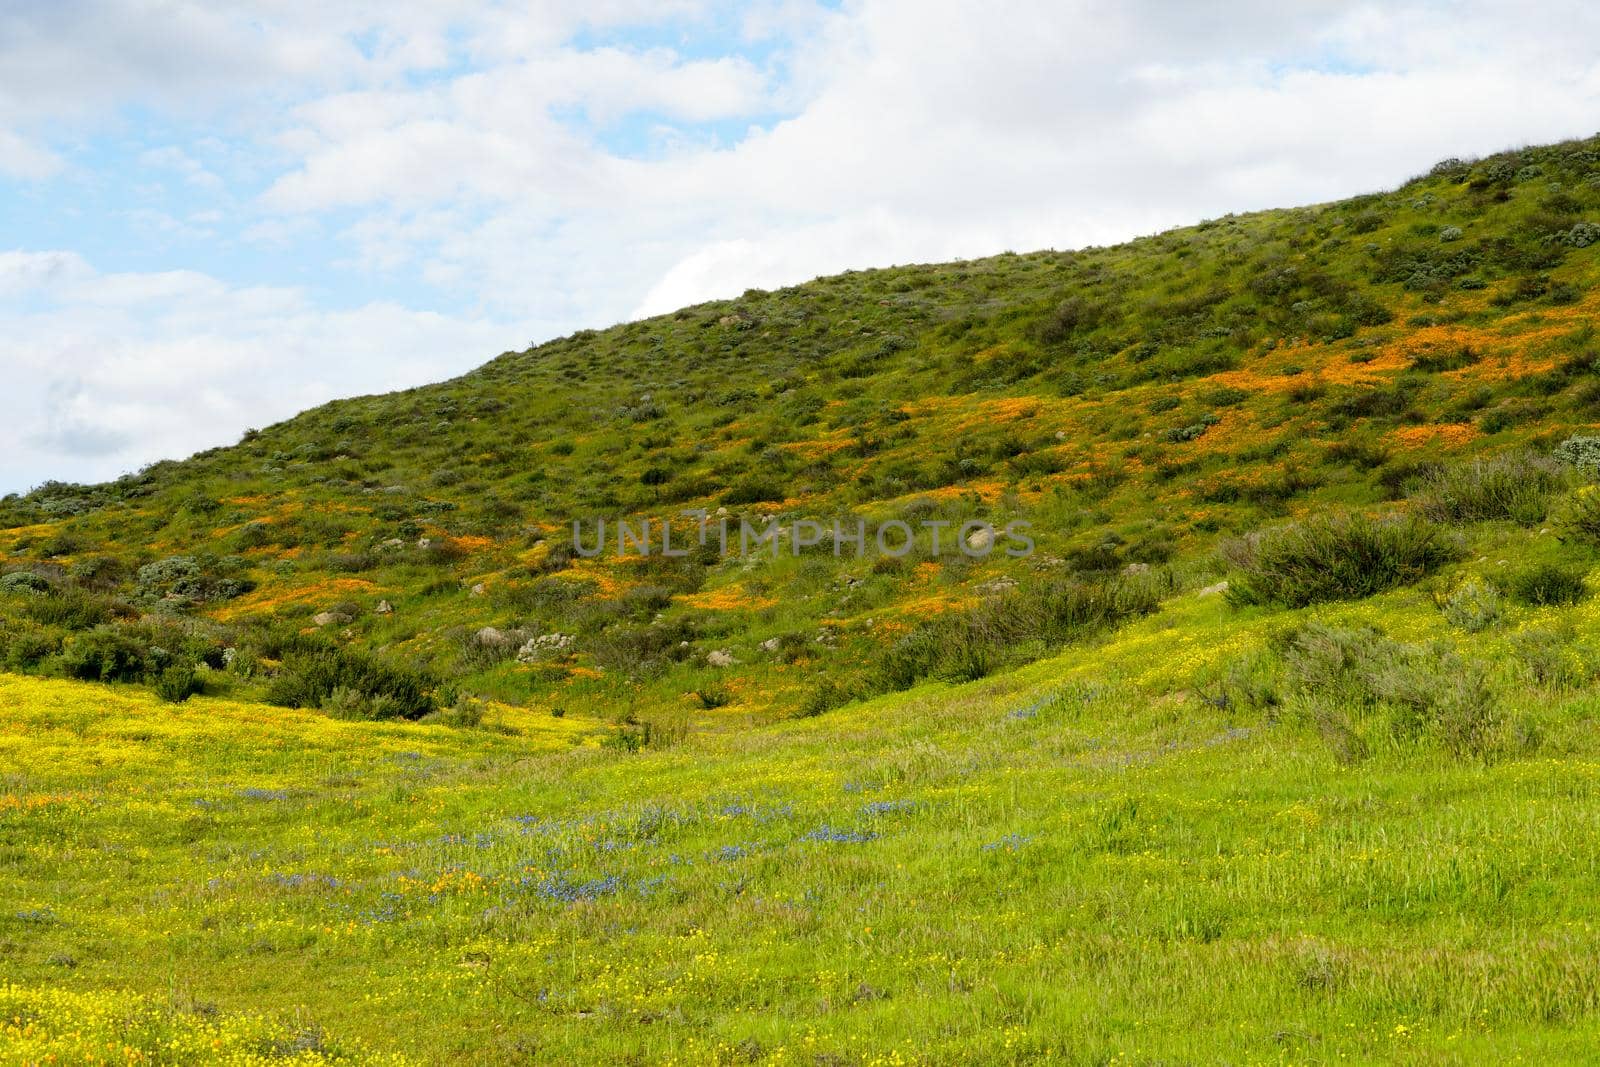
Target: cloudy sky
x=213, y=215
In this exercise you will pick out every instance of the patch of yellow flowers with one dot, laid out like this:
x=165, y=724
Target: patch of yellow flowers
x=104, y=1027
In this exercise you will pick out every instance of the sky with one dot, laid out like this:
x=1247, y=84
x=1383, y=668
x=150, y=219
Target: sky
x=213, y=216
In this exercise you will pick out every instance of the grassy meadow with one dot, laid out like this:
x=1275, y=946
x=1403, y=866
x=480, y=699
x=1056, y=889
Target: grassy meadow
x=1109, y=857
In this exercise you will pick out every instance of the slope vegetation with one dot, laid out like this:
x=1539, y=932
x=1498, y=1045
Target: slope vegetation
x=387, y=556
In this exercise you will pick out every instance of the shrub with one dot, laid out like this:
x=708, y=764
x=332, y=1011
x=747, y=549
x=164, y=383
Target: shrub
x=107, y=655
x=754, y=492
x=23, y=582
x=177, y=683
x=825, y=696
x=72, y=610
x=644, y=651
x=1580, y=452
x=1582, y=519
x=713, y=695
x=1550, y=661
x=1416, y=692
x=349, y=682
x=160, y=576
x=1515, y=486
x=464, y=712
x=1546, y=584
x=1338, y=557
x=25, y=645
x=968, y=645
x=1474, y=607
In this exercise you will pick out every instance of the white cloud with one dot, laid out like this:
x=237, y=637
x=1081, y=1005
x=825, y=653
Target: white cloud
x=22, y=159
x=107, y=372
x=473, y=147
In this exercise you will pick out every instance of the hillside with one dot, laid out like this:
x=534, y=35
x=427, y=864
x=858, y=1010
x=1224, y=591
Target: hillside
x=1137, y=405
x=1281, y=745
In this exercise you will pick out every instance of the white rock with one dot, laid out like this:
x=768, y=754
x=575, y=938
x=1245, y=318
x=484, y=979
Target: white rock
x=720, y=658
x=493, y=638
x=1214, y=590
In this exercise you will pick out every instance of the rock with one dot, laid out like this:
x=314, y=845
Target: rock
x=996, y=586
x=383, y=608
x=330, y=618
x=424, y=542
x=721, y=513
x=1061, y=435
x=1214, y=590
x=479, y=590
x=720, y=658
x=1136, y=568
x=393, y=542
x=770, y=644
x=542, y=646
x=490, y=637
x=981, y=539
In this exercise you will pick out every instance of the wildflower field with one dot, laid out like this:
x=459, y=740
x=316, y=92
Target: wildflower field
x=1102, y=857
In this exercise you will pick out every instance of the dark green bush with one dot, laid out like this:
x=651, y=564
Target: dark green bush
x=177, y=684
x=73, y=609
x=312, y=676
x=107, y=654
x=1545, y=584
x=754, y=492
x=1581, y=522
x=1337, y=557
x=24, y=645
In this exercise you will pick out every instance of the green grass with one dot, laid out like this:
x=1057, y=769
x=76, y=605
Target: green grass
x=1118, y=854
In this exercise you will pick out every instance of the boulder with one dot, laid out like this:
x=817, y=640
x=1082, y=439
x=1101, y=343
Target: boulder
x=720, y=658
x=489, y=637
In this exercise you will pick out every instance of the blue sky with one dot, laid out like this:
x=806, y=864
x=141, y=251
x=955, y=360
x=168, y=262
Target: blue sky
x=213, y=216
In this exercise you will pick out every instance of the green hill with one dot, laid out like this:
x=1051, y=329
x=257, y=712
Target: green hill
x=1258, y=723
x=1136, y=405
